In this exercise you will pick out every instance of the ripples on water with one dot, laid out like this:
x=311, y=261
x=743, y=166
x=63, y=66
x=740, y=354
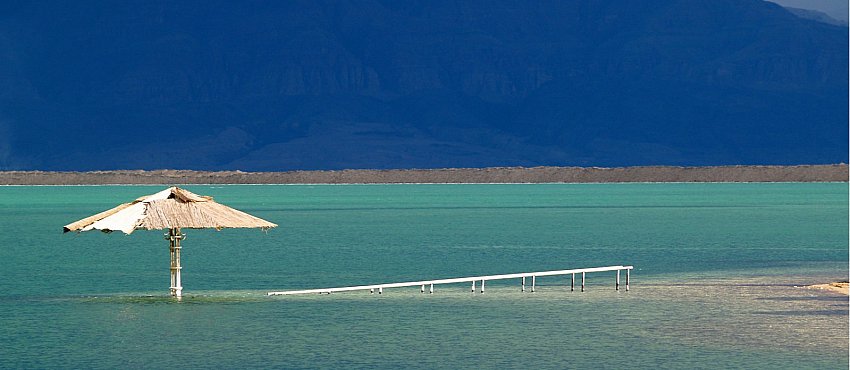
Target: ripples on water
x=736, y=323
x=715, y=285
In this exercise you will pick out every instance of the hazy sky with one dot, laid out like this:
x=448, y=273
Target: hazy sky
x=834, y=8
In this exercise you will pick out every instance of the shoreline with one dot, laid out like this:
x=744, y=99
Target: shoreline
x=836, y=287
x=489, y=175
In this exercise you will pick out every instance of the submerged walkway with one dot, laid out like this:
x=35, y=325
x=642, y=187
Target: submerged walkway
x=473, y=279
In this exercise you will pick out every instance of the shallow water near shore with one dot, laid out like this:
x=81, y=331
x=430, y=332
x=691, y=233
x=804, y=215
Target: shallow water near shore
x=717, y=279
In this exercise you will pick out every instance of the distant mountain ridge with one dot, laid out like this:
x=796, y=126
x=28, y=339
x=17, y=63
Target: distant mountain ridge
x=418, y=84
x=816, y=16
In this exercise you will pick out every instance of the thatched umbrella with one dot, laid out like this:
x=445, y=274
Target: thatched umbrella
x=173, y=208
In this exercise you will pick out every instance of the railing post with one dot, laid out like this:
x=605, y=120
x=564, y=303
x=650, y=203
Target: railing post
x=573, y=283
x=617, y=284
x=523, y=284
x=627, y=279
x=533, y=282
x=582, y=281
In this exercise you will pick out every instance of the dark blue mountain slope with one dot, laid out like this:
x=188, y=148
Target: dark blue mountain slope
x=284, y=85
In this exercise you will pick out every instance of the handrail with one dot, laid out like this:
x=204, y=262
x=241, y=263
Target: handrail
x=472, y=279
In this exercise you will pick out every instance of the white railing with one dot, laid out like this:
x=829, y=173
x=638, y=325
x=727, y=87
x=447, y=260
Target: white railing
x=473, y=279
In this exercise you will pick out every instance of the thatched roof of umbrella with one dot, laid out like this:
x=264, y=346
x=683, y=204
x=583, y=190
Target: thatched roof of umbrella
x=171, y=208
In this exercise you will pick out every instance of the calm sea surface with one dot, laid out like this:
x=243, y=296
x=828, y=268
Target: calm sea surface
x=715, y=282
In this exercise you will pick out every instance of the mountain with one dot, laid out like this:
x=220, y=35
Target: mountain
x=417, y=84
x=816, y=16
x=835, y=9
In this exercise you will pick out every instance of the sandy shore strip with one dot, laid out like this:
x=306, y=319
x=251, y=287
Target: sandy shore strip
x=503, y=175
x=838, y=287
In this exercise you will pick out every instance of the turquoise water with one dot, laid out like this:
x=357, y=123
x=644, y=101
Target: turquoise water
x=714, y=285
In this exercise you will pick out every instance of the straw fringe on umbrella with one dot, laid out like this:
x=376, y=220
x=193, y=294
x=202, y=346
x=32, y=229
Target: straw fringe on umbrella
x=172, y=209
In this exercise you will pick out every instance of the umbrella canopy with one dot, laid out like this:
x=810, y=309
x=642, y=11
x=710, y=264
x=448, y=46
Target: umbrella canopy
x=171, y=208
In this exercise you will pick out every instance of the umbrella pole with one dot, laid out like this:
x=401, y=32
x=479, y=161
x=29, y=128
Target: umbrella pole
x=174, y=238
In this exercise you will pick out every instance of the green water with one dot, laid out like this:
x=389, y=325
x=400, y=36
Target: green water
x=713, y=287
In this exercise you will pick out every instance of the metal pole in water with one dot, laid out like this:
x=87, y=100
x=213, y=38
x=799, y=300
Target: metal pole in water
x=627, y=279
x=422, y=289
x=473, y=286
x=431, y=290
x=573, y=283
x=482, y=285
x=170, y=237
x=178, y=280
x=372, y=291
x=523, y=284
x=174, y=236
x=380, y=290
x=617, y=285
x=582, y=281
x=533, y=282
